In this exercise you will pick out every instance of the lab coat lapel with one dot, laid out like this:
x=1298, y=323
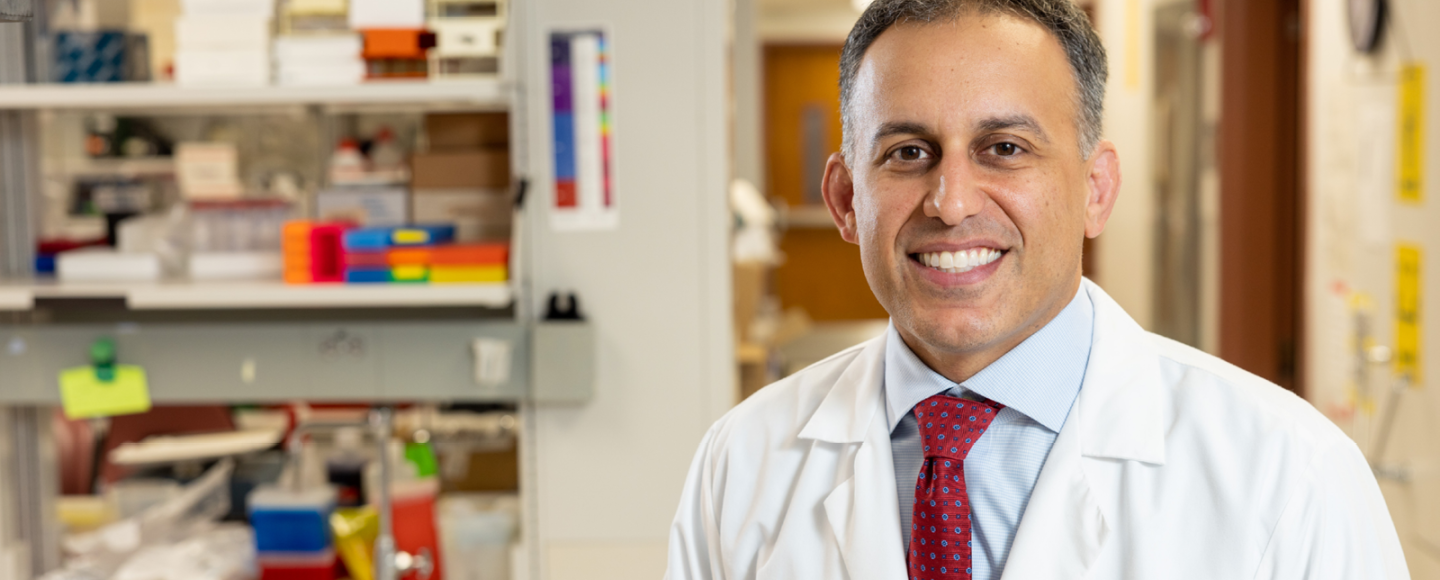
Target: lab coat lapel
x=864, y=515
x=863, y=509
x=1117, y=416
x=1063, y=529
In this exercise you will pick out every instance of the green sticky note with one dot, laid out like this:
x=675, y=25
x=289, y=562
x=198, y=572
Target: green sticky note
x=84, y=395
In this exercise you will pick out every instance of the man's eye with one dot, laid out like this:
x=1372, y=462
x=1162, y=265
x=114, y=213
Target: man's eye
x=910, y=153
x=1006, y=149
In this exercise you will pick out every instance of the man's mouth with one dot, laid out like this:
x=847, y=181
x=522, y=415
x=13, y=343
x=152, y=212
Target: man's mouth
x=959, y=262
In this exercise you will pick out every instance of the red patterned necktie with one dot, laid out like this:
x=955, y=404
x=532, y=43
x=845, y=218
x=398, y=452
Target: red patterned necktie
x=940, y=525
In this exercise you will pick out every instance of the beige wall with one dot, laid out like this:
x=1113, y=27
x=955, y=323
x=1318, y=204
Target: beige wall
x=1125, y=261
x=1353, y=223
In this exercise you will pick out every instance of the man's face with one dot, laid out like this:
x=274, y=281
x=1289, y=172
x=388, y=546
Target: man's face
x=967, y=191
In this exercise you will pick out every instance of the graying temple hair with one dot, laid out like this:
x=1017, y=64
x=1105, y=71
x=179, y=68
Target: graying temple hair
x=1062, y=18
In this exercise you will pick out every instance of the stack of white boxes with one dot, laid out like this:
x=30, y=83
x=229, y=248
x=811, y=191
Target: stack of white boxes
x=316, y=46
x=223, y=42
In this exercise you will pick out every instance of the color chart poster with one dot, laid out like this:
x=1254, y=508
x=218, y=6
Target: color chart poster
x=584, y=195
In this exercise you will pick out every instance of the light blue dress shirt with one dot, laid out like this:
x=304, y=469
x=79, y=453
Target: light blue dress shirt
x=1037, y=382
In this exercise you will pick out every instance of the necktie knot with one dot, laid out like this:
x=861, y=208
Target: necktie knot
x=950, y=426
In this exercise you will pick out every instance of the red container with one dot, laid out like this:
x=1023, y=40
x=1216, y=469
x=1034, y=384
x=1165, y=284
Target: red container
x=413, y=506
x=317, y=566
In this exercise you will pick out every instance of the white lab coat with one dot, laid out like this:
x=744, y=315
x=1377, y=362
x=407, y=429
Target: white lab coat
x=1172, y=464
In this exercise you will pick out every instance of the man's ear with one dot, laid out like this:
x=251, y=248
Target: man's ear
x=1104, y=187
x=838, y=188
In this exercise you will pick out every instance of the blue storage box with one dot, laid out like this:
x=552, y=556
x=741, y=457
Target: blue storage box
x=291, y=521
x=90, y=57
x=400, y=236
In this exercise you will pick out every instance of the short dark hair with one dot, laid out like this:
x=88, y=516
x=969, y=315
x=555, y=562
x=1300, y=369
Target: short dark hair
x=1066, y=21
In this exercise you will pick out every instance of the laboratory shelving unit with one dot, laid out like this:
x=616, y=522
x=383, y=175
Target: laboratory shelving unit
x=486, y=94
x=260, y=342
x=257, y=294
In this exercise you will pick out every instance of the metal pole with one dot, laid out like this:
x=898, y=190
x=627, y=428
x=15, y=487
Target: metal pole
x=380, y=422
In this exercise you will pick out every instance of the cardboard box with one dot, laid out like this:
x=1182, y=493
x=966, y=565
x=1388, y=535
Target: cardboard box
x=459, y=131
x=478, y=214
x=208, y=170
x=365, y=206
x=480, y=168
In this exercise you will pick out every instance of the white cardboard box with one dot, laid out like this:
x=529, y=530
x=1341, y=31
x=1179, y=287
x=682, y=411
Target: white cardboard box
x=222, y=68
x=339, y=46
x=387, y=14
x=262, y=8
x=221, y=33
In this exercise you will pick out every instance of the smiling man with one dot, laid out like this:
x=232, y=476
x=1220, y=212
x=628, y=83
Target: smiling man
x=1013, y=422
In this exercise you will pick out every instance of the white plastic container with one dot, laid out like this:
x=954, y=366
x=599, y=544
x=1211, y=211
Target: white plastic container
x=106, y=265
x=477, y=532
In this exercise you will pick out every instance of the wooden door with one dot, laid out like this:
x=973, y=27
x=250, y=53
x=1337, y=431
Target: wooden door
x=822, y=272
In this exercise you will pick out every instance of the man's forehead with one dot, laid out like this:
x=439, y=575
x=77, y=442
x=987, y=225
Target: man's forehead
x=957, y=42
x=995, y=63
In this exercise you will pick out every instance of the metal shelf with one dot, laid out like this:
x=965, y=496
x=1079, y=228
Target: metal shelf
x=261, y=295
x=474, y=94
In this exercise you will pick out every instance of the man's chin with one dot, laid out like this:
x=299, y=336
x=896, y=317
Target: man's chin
x=951, y=332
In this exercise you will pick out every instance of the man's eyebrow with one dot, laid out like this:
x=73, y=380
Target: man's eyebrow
x=1023, y=122
x=899, y=128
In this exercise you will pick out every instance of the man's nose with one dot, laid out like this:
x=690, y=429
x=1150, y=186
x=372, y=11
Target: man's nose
x=956, y=194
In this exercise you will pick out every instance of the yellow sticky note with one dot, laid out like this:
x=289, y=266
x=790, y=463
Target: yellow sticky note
x=84, y=395
x=1407, y=312
x=1410, y=151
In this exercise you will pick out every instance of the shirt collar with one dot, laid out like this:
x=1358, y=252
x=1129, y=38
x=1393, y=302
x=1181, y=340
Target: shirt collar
x=1039, y=378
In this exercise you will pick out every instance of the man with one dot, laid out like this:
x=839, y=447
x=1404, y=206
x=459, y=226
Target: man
x=1014, y=422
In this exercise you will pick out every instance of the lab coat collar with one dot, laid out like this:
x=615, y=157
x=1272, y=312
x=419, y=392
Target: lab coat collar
x=846, y=412
x=1118, y=415
x=1121, y=402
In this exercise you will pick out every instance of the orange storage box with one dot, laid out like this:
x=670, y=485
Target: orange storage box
x=409, y=43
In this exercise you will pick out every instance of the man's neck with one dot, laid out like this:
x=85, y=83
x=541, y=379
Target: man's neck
x=959, y=366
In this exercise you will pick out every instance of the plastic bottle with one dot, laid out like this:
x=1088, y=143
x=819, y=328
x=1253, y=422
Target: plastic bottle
x=345, y=469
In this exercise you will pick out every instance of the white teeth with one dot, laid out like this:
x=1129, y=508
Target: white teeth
x=959, y=262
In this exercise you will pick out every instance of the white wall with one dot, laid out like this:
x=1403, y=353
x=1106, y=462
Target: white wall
x=1352, y=225
x=657, y=289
